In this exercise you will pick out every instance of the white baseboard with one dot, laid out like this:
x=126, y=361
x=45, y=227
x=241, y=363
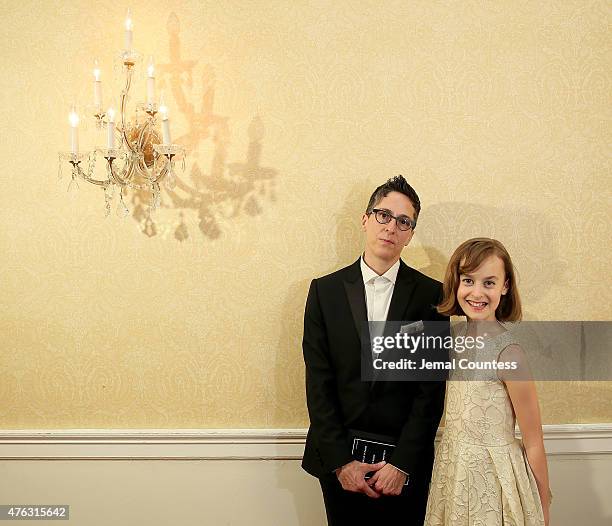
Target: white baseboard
x=578, y=439
x=268, y=486
x=229, y=444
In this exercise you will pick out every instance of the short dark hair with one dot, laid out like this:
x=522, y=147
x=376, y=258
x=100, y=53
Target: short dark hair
x=395, y=184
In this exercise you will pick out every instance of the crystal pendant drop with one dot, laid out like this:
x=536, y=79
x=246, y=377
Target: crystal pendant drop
x=170, y=181
x=155, y=197
x=109, y=191
x=107, y=200
x=122, y=210
x=73, y=187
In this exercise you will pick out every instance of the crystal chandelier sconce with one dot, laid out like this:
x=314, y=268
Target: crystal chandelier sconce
x=138, y=156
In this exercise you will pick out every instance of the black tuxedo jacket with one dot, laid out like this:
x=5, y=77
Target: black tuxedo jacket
x=338, y=400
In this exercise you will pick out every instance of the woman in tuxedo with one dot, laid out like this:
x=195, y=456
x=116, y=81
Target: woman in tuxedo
x=379, y=286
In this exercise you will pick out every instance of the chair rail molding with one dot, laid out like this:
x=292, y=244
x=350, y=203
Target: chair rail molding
x=229, y=444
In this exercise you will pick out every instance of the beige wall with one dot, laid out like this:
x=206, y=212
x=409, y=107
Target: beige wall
x=498, y=113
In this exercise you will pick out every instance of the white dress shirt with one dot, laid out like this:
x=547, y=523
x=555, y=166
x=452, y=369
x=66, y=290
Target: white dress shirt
x=379, y=290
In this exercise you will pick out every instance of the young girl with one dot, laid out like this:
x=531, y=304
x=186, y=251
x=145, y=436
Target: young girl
x=483, y=475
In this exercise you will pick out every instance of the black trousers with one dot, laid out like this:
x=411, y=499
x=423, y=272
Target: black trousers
x=345, y=508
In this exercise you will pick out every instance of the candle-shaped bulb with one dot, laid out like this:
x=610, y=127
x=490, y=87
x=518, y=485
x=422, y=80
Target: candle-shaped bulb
x=96, y=71
x=163, y=111
x=151, y=82
x=128, y=20
x=110, y=135
x=97, y=87
x=128, y=31
x=73, y=118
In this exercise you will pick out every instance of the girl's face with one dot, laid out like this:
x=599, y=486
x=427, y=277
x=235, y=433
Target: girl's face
x=480, y=291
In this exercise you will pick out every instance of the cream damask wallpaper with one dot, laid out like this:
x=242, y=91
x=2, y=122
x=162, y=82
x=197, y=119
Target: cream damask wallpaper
x=498, y=113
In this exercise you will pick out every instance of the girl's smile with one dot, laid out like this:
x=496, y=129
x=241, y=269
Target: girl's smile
x=480, y=291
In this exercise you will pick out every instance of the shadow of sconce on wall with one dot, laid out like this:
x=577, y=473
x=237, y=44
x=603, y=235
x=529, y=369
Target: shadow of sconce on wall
x=229, y=188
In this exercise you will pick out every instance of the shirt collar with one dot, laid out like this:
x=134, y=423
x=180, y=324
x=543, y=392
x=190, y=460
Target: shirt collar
x=369, y=274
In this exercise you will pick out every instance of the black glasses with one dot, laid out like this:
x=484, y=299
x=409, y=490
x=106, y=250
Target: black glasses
x=403, y=222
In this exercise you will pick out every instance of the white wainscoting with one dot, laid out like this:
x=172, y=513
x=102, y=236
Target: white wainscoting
x=238, y=476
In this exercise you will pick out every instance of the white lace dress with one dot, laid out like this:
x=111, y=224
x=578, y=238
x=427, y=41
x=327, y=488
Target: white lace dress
x=481, y=476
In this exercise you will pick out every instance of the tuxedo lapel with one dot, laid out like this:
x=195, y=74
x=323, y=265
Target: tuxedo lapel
x=402, y=293
x=355, y=294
